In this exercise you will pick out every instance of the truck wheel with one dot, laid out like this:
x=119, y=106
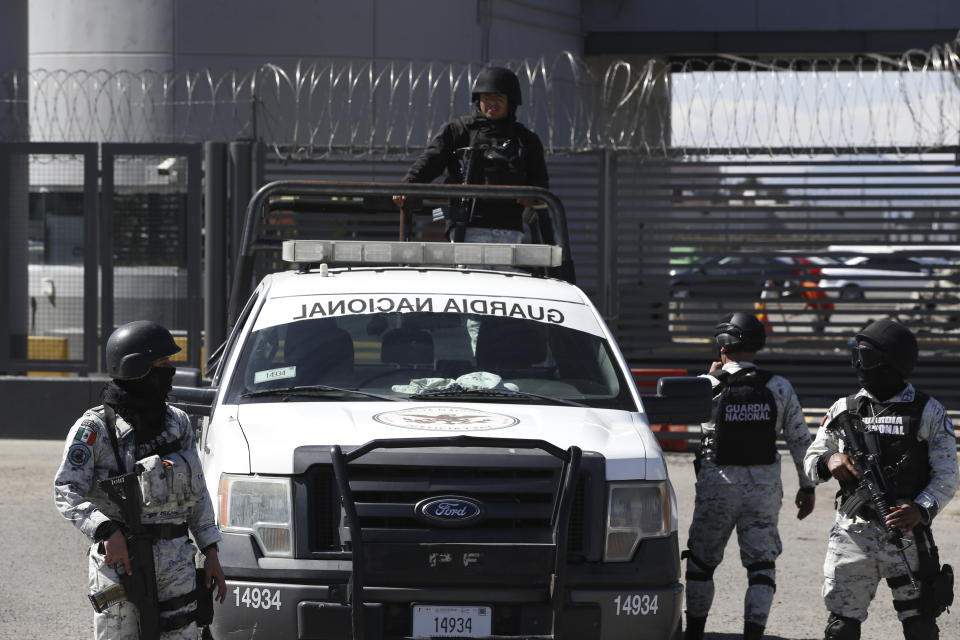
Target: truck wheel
x=851, y=292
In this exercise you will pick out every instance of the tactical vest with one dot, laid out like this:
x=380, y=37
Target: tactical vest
x=902, y=456
x=502, y=160
x=745, y=418
x=170, y=477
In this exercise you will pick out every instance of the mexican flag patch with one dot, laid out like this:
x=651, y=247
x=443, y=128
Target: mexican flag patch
x=86, y=435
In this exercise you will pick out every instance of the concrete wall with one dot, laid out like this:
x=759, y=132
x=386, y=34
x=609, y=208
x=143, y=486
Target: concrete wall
x=13, y=60
x=768, y=26
x=167, y=35
x=106, y=38
x=45, y=408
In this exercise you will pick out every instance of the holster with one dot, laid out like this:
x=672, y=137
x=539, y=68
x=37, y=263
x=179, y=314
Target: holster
x=204, y=610
x=936, y=584
x=936, y=592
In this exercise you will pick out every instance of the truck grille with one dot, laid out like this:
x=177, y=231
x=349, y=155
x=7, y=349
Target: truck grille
x=518, y=503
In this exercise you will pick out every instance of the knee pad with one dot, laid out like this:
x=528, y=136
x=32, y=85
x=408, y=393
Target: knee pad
x=920, y=628
x=701, y=571
x=841, y=628
x=759, y=578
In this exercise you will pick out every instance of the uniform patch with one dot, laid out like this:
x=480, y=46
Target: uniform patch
x=78, y=455
x=86, y=432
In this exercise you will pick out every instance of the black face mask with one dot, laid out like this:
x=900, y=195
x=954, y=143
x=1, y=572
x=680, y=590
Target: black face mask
x=153, y=387
x=883, y=382
x=142, y=402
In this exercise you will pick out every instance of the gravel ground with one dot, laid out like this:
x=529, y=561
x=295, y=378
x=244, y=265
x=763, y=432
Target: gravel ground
x=43, y=593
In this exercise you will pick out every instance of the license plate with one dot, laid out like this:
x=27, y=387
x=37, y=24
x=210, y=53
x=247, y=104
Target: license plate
x=436, y=621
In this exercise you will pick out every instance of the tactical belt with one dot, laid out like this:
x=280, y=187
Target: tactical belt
x=166, y=531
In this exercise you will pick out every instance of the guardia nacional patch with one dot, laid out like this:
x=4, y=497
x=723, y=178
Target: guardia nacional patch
x=78, y=454
x=86, y=432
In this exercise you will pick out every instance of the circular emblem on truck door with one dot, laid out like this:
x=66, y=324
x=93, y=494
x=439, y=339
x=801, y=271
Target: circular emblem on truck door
x=449, y=511
x=445, y=419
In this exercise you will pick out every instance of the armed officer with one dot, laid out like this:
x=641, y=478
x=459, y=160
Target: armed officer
x=914, y=471
x=738, y=475
x=136, y=431
x=488, y=147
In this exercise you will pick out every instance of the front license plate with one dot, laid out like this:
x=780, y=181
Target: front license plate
x=436, y=621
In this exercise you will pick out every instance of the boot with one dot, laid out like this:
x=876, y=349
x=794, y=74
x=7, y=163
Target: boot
x=752, y=631
x=695, y=627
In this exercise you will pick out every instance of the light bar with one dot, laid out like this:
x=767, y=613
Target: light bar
x=434, y=253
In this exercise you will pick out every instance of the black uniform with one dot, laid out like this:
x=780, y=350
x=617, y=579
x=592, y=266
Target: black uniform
x=515, y=157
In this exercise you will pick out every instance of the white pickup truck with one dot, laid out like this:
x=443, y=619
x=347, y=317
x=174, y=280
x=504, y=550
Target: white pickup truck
x=405, y=448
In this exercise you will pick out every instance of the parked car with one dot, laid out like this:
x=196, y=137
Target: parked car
x=748, y=276
x=882, y=276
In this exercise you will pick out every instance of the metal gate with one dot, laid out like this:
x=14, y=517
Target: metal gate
x=150, y=250
x=816, y=246
x=98, y=235
x=48, y=286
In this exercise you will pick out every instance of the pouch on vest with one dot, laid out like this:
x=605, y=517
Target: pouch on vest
x=746, y=420
x=171, y=482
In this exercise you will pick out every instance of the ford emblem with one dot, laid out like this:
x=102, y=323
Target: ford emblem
x=449, y=511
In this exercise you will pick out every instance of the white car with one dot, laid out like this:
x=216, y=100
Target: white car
x=882, y=276
x=463, y=451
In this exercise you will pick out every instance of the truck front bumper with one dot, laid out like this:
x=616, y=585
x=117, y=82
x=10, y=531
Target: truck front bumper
x=308, y=612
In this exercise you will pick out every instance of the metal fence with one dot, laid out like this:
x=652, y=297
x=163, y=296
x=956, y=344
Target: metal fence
x=386, y=108
x=692, y=188
x=96, y=237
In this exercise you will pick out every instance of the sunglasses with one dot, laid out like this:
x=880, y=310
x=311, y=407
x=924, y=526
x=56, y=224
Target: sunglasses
x=865, y=356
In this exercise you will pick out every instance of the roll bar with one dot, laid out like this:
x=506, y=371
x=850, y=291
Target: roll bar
x=551, y=222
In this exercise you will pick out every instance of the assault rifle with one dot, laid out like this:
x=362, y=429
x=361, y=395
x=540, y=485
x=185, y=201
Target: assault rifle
x=873, y=488
x=462, y=209
x=140, y=587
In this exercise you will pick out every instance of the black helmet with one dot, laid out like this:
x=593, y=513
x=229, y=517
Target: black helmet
x=895, y=341
x=497, y=80
x=132, y=349
x=741, y=332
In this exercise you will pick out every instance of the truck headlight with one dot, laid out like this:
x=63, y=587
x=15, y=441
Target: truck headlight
x=261, y=507
x=635, y=510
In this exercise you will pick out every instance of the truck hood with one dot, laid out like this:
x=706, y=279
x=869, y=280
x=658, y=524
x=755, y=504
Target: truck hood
x=274, y=430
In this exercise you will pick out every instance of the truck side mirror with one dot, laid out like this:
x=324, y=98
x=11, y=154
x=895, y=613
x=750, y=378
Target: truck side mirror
x=195, y=401
x=680, y=400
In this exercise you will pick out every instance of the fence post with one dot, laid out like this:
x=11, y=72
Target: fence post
x=215, y=246
x=240, y=178
x=6, y=201
x=91, y=258
x=608, y=226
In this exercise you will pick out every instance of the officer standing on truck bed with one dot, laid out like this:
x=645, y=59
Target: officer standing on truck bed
x=911, y=468
x=488, y=147
x=136, y=433
x=738, y=475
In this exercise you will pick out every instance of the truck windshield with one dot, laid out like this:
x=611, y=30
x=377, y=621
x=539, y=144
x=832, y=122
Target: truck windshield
x=414, y=355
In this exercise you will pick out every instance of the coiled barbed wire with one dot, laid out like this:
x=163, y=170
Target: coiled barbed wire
x=363, y=107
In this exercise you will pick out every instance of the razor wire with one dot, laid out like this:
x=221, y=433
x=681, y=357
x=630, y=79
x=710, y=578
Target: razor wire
x=390, y=108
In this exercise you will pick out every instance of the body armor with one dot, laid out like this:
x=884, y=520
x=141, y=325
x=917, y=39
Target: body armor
x=745, y=418
x=893, y=428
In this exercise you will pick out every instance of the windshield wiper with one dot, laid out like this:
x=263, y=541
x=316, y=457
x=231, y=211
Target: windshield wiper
x=491, y=393
x=313, y=388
